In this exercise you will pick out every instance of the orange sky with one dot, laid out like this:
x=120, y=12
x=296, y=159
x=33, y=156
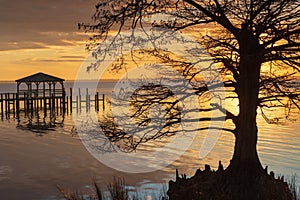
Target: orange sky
x=42, y=36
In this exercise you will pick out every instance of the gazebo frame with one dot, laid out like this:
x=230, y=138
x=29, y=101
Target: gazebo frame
x=33, y=94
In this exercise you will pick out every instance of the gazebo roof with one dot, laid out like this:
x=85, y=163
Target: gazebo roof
x=40, y=77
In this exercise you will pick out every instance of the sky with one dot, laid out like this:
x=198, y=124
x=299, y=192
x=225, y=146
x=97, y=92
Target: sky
x=42, y=36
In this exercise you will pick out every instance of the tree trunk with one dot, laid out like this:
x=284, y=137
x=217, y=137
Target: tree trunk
x=245, y=158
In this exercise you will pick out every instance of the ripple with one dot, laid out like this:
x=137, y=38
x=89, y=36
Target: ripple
x=5, y=170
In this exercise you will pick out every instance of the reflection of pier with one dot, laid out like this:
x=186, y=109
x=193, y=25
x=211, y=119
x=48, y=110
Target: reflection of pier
x=43, y=96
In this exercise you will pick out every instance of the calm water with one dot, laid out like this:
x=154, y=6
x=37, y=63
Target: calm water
x=31, y=166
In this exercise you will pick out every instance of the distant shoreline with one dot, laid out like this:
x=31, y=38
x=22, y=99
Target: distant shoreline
x=296, y=79
x=102, y=80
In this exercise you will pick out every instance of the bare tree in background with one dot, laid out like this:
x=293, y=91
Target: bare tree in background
x=255, y=43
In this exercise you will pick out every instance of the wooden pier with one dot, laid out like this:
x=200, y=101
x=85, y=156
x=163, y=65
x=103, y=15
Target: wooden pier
x=44, y=95
x=12, y=105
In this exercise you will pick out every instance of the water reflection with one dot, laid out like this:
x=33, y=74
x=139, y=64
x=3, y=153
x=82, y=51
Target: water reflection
x=30, y=164
x=41, y=121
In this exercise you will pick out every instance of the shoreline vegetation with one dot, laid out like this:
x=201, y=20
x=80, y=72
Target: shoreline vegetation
x=115, y=190
x=207, y=184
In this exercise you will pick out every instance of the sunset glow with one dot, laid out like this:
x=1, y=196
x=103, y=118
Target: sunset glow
x=42, y=36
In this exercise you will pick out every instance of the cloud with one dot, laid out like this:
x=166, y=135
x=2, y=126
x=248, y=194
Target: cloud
x=56, y=60
x=41, y=40
x=9, y=46
x=79, y=57
x=39, y=23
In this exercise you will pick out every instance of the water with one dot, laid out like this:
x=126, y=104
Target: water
x=32, y=165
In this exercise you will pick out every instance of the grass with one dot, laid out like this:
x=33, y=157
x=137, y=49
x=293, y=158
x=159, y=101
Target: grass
x=294, y=189
x=116, y=190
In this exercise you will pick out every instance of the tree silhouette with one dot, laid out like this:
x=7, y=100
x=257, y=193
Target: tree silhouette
x=254, y=42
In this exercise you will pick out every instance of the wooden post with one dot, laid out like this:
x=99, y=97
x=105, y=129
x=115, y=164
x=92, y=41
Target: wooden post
x=87, y=103
x=103, y=101
x=37, y=99
x=41, y=103
x=36, y=104
x=52, y=111
x=18, y=105
x=45, y=100
x=45, y=106
x=30, y=99
x=77, y=103
x=26, y=100
x=57, y=104
x=97, y=101
x=14, y=106
x=50, y=104
x=32, y=102
x=79, y=99
x=18, y=101
x=53, y=102
x=7, y=105
x=54, y=89
x=50, y=89
x=64, y=101
x=25, y=103
x=2, y=107
x=71, y=100
x=53, y=106
x=89, y=96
